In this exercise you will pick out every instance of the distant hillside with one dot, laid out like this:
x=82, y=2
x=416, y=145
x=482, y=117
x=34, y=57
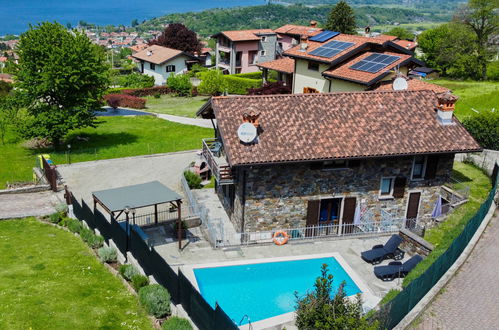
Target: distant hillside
x=208, y=22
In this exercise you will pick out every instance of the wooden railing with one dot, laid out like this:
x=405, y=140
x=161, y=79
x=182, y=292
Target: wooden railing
x=222, y=173
x=50, y=174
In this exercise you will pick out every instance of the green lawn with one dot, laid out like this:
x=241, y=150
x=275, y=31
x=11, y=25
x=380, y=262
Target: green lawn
x=479, y=95
x=50, y=279
x=173, y=105
x=114, y=137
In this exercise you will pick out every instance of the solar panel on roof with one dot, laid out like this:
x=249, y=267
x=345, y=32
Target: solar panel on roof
x=324, y=36
x=331, y=48
x=374, y=62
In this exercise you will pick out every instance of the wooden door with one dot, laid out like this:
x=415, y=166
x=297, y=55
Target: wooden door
x=412, y=208
x=313, y=209
x=348, y=214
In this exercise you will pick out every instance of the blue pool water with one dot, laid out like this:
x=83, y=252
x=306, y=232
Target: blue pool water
x=266, y=289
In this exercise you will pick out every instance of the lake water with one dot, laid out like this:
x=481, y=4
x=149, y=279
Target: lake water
x=16, y=15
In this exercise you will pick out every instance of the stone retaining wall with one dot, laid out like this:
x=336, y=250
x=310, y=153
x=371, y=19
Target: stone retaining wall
x=413, y=244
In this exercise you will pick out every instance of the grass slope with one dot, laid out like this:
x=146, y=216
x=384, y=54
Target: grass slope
x=479, y=95
x=49, y=279
x=115, y=137
x=173, y=105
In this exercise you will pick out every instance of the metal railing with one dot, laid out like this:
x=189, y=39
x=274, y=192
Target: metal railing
x=222, y=173
x=329, y=231
x=455, y=192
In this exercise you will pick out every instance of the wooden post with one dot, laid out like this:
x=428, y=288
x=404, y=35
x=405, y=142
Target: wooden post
x=179, y=226
x=156, y=214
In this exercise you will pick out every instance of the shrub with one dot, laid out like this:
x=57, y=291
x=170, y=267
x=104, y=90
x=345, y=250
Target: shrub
x=139, y=281
x=64, y=221
x=116, y=90
x=136, y=80
x=193, y=180
x=155, y=299
x=141, y=92
x=74, y=225
x=128, y=271
x=212, y=82
x=107, y=254
x=180, y=83
x=94, y=241
x=55, y=217
x=85, y=234
x=124, y=100
x=493, y=70
x=238, y=85
x=62, y=208
x=249, y=75
x=484, y=128
x=270, y=88
x=176, y=323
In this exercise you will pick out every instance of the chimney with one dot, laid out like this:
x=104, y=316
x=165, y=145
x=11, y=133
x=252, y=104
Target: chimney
x=367, y=31
x=445, y=107
x=252, y=119
x=313, y=24
x=303, y=44
x=149, y=52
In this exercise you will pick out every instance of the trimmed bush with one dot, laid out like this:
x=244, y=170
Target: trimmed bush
x=136, y=80
x=212, y=82
x=141, y=92
x=124, y=100
x=193, y=180
x=128, y=271
x=74, y=225
x=180, y=83
x=55, y=217
x=270, y=88
x=176, y=323
x=238, y=85
x=249, y=75
x=116, y=90
x=95, y=241
x=155, y=299
x=139, y=281
x=484, y=128
x=107, y=254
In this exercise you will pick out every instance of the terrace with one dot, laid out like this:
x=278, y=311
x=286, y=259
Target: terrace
x=213, y=153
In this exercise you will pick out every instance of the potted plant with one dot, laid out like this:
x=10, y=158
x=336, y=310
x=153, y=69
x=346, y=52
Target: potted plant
x=183, y=229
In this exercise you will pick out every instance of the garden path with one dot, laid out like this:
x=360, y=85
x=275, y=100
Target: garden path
x=30, y=204
x=206, y=123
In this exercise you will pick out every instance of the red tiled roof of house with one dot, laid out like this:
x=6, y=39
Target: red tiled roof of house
x=285, y=64
x=414, y=85
x=3, y=59
x=206, y=50
x=385, y=37
x=300, y=30
x=6, y=77
x=343, y=71
x=359, y=41
x=158, y=54
x=407, y=44
x=246, y=35
x=138, y=48
x=302, y=127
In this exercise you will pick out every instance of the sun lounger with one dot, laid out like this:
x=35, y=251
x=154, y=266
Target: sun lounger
x=381, y=252
x=396, y=269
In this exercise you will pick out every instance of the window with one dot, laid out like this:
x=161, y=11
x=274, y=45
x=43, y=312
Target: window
x=264, y=39
x=263, y=53
x=418, y=168
x=170, y=68
x=252, y=57
x=386, y=187
x=313, y=66
x=152, y=66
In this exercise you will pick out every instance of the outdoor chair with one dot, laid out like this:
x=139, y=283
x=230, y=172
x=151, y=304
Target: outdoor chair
x=381, y=252
x=396, y=269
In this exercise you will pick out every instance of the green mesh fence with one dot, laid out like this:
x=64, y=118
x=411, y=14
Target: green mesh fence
x=393, y=312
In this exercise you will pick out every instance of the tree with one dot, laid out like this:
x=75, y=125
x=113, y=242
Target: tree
x=180, y=83
x=319, y=310
x=135, y=22
x=177, y=36
x=341, y=19
x=60, y=79
x=451, y=49
x=485, y=128
x=8, y=114
x=482, y=18
x=401, y=33
x=212, y=82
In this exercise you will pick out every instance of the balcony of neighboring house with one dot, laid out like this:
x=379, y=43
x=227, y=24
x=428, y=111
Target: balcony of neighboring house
x=213, y=153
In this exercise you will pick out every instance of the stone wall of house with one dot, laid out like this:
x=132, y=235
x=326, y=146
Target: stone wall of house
x=277, y=196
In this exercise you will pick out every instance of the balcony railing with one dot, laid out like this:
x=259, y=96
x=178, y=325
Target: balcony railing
x=212, y=152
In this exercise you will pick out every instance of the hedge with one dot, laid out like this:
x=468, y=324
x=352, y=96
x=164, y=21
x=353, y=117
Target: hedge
x=249, y=75
x=123, y=100
x=238, y=85
x=141, y=92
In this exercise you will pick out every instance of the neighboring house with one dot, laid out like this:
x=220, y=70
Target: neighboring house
x=160, y=62
x=283, y=66
x=240, y=51
x=290, y=35
x=334, y=62
x=205, y=56
x=317, y=157
x=423, y=72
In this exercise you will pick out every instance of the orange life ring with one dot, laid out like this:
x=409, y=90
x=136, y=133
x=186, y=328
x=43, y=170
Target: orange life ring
x=280, y=237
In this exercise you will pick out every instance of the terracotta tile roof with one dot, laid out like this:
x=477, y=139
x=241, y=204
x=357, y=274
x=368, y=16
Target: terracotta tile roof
x=6, y=77
x=359, y=41
x=410, y=45
x=414, y=85
x=3, y=59
x=385, y=37
x=298, y=30
x=301, y=127
x=285, y=64
x=343, y=71
x=138, y=48
x=159, y=54
x=206, y=50
x=246, y=35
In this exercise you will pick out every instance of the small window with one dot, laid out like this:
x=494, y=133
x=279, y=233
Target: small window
x=170, y=68
x=264, y=39
x=313, y=66
x=263, y=53
x=386, y=187
x=418, y=167
x=152, y=66
x=335, y=164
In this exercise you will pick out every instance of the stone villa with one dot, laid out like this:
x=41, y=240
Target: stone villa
x=316, y=157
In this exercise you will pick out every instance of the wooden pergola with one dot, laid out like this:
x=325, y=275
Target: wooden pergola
x=117, y=200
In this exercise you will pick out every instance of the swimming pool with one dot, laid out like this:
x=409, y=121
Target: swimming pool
x=265, y=289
